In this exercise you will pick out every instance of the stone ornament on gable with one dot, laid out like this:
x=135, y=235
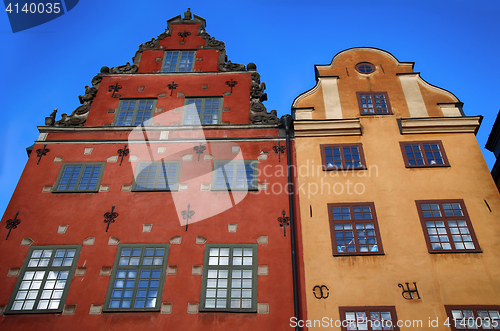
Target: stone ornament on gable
x=212, y=43
x=79, y=116
x=152, y=44
x=258, y=112
x=124, y=69
x=187, y=15
x=229, y=66
x=89, y=95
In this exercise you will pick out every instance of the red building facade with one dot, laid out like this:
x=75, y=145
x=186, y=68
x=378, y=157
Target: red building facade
x=154, y=204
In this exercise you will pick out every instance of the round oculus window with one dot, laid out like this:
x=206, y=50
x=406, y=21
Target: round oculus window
x=365, y=68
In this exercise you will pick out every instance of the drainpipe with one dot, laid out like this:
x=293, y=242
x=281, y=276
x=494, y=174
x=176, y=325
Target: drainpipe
x=287, y=121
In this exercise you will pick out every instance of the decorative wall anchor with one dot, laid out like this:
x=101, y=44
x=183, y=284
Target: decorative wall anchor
x=321, y=292
x=278, y=150
x=187, y=214
x=184, y=34
x=172, y=87
x=41, y=152
x=110, y=217
x=12, y=224
x=284, y=221
x=123, y=152
x=408, y=291
x=231, y=83
x=114, y=88
x=199, y=150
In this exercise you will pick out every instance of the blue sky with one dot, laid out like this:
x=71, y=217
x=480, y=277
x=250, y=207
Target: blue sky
x=454, y=44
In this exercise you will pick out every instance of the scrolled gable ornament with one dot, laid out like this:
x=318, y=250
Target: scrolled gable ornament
x=229, y=66
x=152, y=44
x=124, y=69
x=89, y=95
x=213, y=43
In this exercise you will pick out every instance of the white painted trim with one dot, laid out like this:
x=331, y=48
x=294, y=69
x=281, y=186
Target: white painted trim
x=331, y=98
x=194, y=140
x=413, y=95
x=357, y=49
x=49, y=129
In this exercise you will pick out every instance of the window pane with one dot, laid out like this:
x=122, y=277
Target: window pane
x=205, y=111
x=229, y=284
x=342, y=157
x=137, y=281
x=446, y=226
x=79, y=177
x=235, y=175
x=157, y=175
x=349, y=233
x=42, y=289
x=134, y=112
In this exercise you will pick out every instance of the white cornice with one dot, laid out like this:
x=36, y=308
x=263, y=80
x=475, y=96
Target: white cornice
x=139, y=74
x=49, y=129
x=469, y=124
x=325, y=128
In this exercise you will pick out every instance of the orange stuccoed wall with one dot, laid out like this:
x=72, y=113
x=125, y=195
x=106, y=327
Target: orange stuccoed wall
x=329, y=113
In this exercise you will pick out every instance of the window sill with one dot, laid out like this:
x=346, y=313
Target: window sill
x=358, y=254
x=344, y=169
x=94, y=191
x=156, y=190
x=234, y=190
x=465, y=251
x=25, y=312
x=429, y=166
x=230, y=311
x=151, y=310
x=371, y=114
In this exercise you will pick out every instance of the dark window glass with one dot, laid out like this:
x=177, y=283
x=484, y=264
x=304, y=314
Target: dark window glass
x=178, y=61
x=424, y=154
x=137, y=279
x=354, y=229
x=345, y=156
x=134, y=112
x=79, y=177
x=371, y=103
x=365, y=68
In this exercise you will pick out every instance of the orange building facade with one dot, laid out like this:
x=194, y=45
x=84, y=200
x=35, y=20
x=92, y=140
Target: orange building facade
x=399, y=213
x=149, y=206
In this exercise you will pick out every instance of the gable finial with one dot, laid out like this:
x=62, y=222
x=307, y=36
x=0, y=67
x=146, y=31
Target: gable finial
x=187, y=15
